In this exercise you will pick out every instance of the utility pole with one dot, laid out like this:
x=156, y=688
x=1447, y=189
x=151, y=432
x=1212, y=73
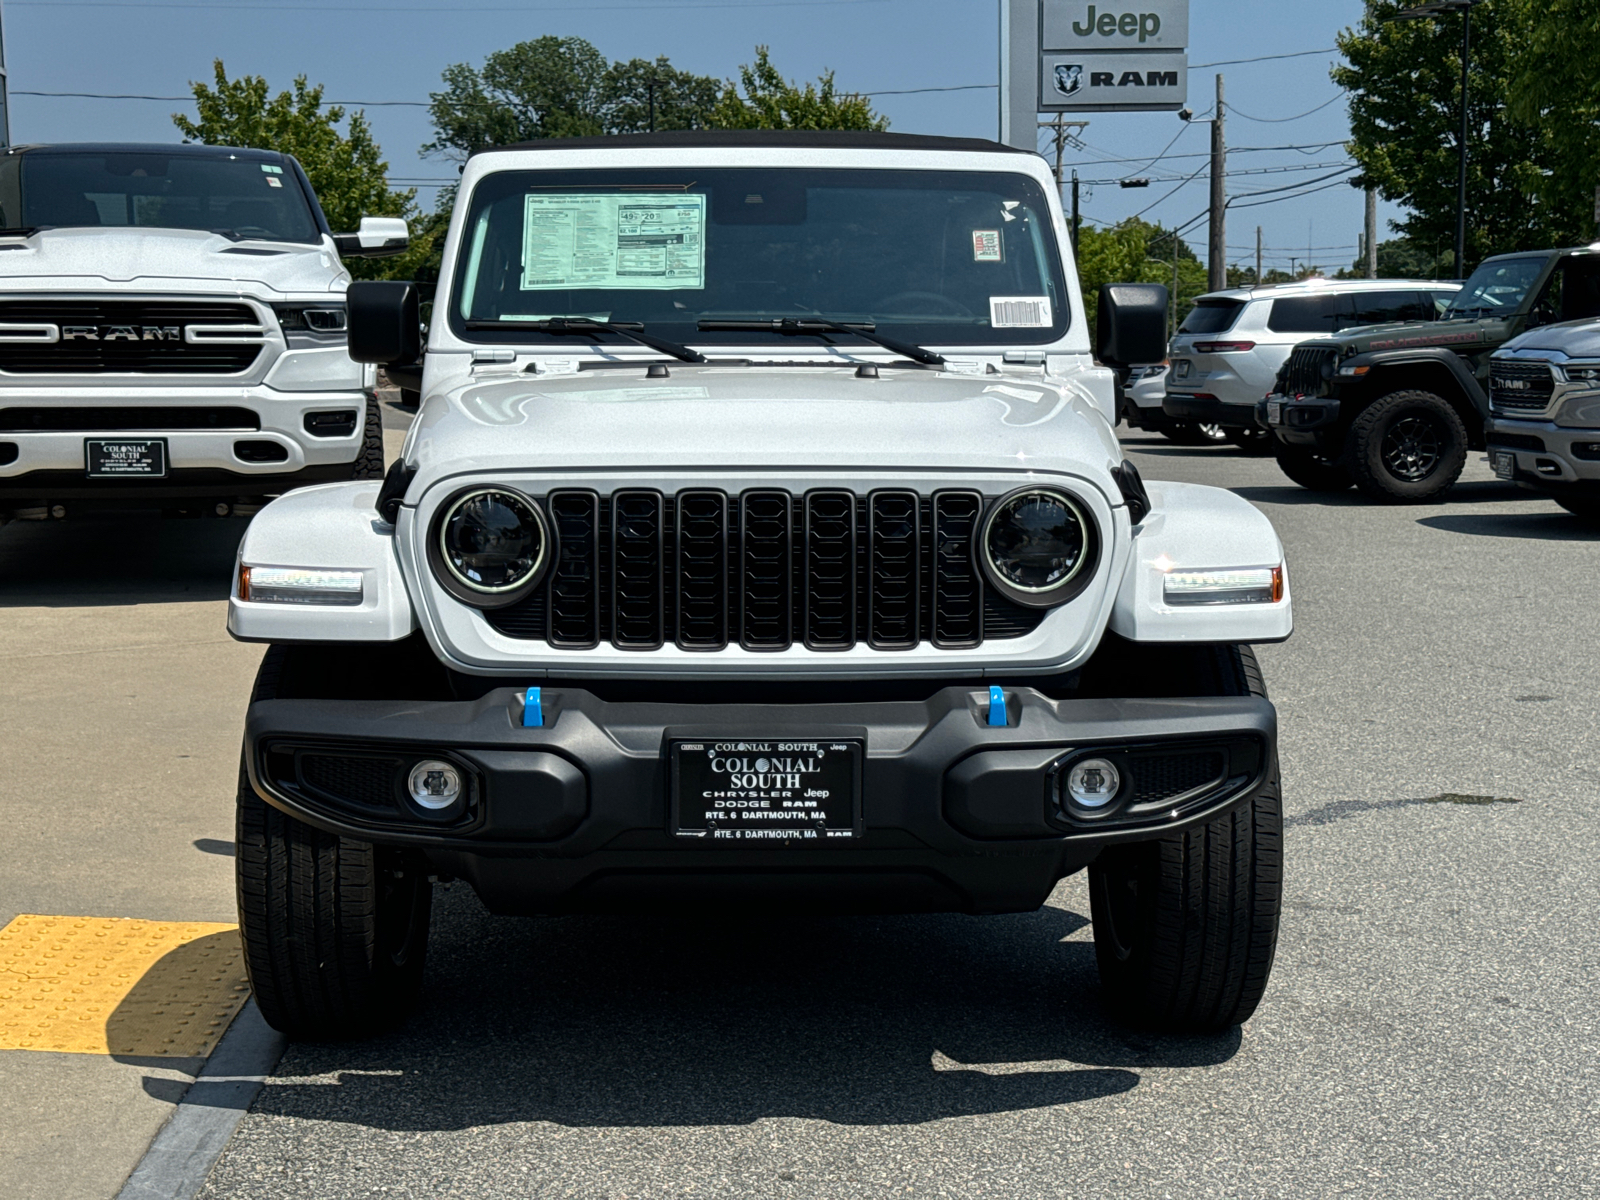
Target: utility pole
x=1063, y=131
x=5, y=96
x=1174, y=320
x=652, y=102
x=1371, y=237
x=1259, y=280
x=1218, y=258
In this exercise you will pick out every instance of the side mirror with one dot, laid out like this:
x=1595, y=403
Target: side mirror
x=1132, y=324
x=379, y=237
x=384, y=322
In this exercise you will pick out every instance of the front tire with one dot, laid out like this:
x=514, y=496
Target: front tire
x=1314, y=472
x=369, y=463
x=1186, y=926
x=1406, y=448
x=335, y=931
x=1585, y=507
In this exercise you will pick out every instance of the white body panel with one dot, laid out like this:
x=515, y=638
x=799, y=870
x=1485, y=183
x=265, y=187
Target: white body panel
x=1192, y=527
x=333, y=526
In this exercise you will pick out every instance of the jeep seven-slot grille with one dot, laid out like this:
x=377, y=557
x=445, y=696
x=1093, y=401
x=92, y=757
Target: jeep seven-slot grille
x=764, y=570
x=128, y=336
x=1303, y=374
x=1520, y=386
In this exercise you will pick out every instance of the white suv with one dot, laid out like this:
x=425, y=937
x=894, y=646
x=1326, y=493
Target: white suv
x=172, y=331
x=1230, y=347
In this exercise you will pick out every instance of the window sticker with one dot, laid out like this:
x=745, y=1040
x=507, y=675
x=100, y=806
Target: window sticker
x=271, y=170
x=986, y=245
x=274, y=181
x=1020, y=312
x=614, y=240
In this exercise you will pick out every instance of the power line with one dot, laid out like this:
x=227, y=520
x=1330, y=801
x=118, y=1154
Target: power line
x=1286, y=120
x=190, y=99
x=960, y=87
x=469, y=8
x=1232, y=62
x=1296, y=196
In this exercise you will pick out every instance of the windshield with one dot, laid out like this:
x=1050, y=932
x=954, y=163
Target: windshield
x=243, y=197
x=954, y=257
x=1497, y=287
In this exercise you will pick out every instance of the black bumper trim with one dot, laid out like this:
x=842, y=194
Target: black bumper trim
x=48, y=487
x=1209, y=411
x=617, y=831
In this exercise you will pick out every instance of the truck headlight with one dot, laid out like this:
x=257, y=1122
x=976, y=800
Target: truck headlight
x=1035, y=546
x=299, y=585
x=1588, y=373
x=1253, y=585
x=310, y=318
x=490, y=546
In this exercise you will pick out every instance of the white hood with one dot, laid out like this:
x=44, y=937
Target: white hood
x=766, y=418
x=183, y=260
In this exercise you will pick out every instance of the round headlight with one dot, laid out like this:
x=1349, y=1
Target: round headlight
x=491, y=546
x=1036, y=543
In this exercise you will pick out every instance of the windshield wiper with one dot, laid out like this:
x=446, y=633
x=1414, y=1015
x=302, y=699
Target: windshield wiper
x=796, y=326
x=581, y=325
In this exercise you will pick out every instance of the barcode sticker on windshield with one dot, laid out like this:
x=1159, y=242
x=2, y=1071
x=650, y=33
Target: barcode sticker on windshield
x=1020, y=312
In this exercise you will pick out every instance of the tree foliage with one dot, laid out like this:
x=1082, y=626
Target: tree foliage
x=553, y=87
x=346, y=170
x=769, y=101
x=1532, y=121
x=1135, y=251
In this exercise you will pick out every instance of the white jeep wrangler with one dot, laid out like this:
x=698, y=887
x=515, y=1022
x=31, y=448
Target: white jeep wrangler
x=172, y=331
x=762, y=542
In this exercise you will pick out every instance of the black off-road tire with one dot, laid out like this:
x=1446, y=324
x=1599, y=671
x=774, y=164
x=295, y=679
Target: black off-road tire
x=1312, y=471
x=1252, y=441
x=1186, y=926
x=335, y=931
x=1406, y=448
x=1584, y=507
x=369, y=463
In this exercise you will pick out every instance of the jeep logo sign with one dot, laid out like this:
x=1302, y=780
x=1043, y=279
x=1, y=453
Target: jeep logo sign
x=1115, y=25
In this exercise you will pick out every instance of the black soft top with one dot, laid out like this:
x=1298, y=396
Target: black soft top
x=167, y=148
x=832, y=139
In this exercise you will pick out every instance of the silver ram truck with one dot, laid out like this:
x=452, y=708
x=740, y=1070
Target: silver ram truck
x=762, y=544
x=172, y=331
x=1544, y=414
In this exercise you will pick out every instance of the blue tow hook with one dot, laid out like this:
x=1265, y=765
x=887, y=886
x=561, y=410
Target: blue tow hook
x=997, y=707
x=532, y=709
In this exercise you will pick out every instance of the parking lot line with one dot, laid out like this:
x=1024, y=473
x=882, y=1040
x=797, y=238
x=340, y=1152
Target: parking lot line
x=100, y=985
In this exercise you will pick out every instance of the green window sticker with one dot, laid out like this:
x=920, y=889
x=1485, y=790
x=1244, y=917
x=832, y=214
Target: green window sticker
x=614, y=240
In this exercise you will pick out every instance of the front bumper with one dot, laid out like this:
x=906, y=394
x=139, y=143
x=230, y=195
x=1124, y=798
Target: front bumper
x=956, y=815
x=43, y=465
x=1302, y=420
x=1544, y=456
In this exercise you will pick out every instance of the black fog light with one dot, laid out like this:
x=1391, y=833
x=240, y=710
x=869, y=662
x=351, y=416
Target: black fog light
x=260, y=452
x=437, y=788
x=1547, y=466
x=336, y=424
x=1091, y=787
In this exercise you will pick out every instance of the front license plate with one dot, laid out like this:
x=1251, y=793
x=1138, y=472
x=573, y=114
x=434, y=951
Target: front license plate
x=1505, y=466
x=106, y=459
x=773, y=793
x=1274, y=412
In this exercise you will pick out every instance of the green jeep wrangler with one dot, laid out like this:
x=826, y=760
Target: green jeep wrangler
x=1394, y=409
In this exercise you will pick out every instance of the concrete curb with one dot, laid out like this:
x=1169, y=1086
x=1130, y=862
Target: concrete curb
x=194, y=1137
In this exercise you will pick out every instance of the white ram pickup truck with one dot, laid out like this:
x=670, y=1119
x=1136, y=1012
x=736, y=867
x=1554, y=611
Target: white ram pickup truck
x=762, y=544
x=172, y=331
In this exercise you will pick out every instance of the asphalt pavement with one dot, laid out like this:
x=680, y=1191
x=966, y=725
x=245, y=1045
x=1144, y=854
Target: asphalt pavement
x=1431, y=1027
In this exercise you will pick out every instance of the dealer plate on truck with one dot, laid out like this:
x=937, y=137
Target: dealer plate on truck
x=1505, y=465
x=774, y=793
x=144, y=458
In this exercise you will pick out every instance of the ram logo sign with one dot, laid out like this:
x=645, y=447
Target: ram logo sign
x=1103, y=82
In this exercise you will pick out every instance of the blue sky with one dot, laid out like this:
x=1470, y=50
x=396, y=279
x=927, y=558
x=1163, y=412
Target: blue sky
x=364, y=50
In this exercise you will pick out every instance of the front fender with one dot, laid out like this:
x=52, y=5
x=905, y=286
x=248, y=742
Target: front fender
x=332, y=527
x=1191, y=527
x=1433, y=357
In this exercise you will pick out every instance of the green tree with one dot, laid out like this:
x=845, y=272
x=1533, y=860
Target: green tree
x=548, y=87
x=1404, y=80
x=1135, y=251
x=1556, y=91
x=346, y=170
x=635, y=89
x=772, y=102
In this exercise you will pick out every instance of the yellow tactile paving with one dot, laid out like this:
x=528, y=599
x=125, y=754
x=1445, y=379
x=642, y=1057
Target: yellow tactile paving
x=100, y=985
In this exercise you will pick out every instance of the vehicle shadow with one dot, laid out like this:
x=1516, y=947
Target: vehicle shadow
x=609, y=1022
x=121, y=558
x=1555, y=526
x=1477, y=492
